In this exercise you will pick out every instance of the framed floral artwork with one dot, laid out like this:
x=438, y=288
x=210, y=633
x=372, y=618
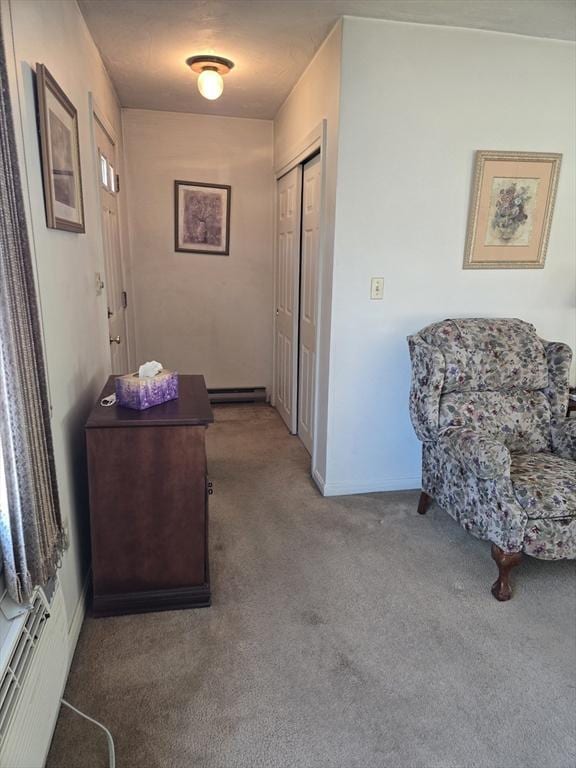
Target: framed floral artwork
x=511, y=210
x=61, y=173
x=202, y=217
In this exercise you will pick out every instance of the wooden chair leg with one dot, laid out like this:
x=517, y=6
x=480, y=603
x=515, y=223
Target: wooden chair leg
x=424, y=503
x=505, y=561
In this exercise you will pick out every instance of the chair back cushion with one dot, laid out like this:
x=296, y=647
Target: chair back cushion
x=520, y=419
x=495, y=371
x=488, y=355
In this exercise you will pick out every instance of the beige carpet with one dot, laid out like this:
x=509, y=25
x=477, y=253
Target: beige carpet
x=345, y=633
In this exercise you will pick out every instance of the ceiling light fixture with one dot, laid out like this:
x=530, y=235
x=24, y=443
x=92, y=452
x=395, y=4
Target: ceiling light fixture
x=210, y=69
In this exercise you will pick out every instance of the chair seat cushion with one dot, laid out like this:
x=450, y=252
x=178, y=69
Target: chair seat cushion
x=544, y=484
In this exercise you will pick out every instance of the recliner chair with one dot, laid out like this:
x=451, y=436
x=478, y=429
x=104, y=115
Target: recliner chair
x=488, y=400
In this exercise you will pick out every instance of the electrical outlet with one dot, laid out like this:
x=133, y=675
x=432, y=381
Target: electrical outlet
x=377, y=288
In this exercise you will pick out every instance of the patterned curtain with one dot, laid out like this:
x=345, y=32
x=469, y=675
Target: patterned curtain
x=31, y=534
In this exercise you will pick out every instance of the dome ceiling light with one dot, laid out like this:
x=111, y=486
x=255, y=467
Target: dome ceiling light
x=210, y=70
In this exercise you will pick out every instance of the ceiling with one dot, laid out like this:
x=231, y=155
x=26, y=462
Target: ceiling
x=144, y=43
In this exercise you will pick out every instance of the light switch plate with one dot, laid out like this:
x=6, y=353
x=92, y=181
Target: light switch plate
x=377, y=288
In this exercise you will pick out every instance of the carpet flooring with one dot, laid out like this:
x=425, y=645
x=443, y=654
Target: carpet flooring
x=345, y=633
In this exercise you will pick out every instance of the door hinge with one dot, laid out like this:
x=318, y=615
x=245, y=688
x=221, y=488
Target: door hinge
x=124, y=299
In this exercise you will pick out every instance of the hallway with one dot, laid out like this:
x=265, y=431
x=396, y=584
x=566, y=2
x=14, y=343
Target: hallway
x=334, y=641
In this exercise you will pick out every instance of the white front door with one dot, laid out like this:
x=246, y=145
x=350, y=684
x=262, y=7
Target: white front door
x=287, y=288
x=308, y=293
x=113, y=280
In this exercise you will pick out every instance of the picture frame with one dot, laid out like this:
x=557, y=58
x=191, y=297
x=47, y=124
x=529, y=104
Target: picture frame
x=60, y=155
x=202, y=217
x=511, y=209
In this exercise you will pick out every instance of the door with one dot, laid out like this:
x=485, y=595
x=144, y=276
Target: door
x=308, y=294
x=114, y=280
x=287, y=289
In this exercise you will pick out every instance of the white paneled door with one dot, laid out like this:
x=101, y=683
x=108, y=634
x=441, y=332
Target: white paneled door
x=287, y=290
x=308, y=292
x=114, y=280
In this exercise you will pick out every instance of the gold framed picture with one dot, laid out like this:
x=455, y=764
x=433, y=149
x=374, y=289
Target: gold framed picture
x=511, y=209
x=60, y=155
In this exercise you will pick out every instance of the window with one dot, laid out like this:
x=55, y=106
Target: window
x=103, y=170
x=111, y=178
x=33, y=537
x=3, y=505
x=107, y=174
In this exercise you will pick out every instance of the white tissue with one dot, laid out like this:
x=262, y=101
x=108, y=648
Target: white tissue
x=147, y=370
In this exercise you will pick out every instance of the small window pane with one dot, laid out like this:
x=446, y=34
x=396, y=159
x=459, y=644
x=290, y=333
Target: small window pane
x=103, y=170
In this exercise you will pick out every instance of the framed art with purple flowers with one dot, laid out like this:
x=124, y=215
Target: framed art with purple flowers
x=202, y=217
x=511, y=209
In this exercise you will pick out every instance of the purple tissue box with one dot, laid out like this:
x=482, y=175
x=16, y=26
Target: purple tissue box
x=139, y=394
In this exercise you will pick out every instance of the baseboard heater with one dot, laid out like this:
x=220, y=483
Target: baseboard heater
x=34, y=665
x=238, y=395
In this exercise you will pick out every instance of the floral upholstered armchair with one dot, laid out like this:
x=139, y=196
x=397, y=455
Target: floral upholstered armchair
x=488, y=401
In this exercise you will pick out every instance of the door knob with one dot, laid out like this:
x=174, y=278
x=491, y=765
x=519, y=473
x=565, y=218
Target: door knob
x=115, y=341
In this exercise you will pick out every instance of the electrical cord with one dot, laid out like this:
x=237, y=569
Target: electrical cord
x=110, y=740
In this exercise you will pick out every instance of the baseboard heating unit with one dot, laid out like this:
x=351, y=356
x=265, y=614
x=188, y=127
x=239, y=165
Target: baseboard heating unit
x=238, y=395
x=33, y=669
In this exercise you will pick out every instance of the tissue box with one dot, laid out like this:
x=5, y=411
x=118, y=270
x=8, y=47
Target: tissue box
x=141, y=393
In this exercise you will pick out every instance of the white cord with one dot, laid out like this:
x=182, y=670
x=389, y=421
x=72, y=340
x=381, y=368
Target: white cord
x=111, y=753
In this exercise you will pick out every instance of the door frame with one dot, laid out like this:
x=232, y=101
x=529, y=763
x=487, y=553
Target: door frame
x=97, y=114
x=309, y=145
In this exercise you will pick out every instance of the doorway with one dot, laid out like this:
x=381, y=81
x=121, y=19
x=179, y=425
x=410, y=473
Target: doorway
x=298, y=242
x=107, y=158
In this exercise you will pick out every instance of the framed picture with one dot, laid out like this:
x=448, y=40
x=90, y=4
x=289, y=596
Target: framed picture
x=511, y=210
x=60, y=155
x=202, y=217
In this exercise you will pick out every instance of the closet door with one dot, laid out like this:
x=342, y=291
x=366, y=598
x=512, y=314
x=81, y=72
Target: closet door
x=287, y=289
x=308, y=295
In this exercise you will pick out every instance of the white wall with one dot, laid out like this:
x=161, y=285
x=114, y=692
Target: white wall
x=53, y=32
x=416, y=102
x=314, y=98
x=201, y=313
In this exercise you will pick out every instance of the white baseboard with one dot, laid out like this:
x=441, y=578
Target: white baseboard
x=374, y=486
x=319, y=480
x=78, y=618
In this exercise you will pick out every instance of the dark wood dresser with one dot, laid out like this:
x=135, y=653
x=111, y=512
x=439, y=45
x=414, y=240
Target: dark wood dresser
x=149, y=503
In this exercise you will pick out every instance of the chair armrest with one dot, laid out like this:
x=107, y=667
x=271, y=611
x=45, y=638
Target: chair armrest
x=485, y=457
x=559, y=358
x=564, y=438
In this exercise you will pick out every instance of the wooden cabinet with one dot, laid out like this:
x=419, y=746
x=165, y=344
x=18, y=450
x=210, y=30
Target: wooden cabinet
x=149, y=503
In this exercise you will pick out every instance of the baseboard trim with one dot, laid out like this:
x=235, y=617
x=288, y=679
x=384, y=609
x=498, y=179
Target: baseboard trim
x=375, y=486
x=78, y=618
x=319, y=480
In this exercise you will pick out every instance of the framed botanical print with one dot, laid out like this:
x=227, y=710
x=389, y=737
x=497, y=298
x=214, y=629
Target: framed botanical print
x=60, y=155
x=202, y=217
x=511, y=210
